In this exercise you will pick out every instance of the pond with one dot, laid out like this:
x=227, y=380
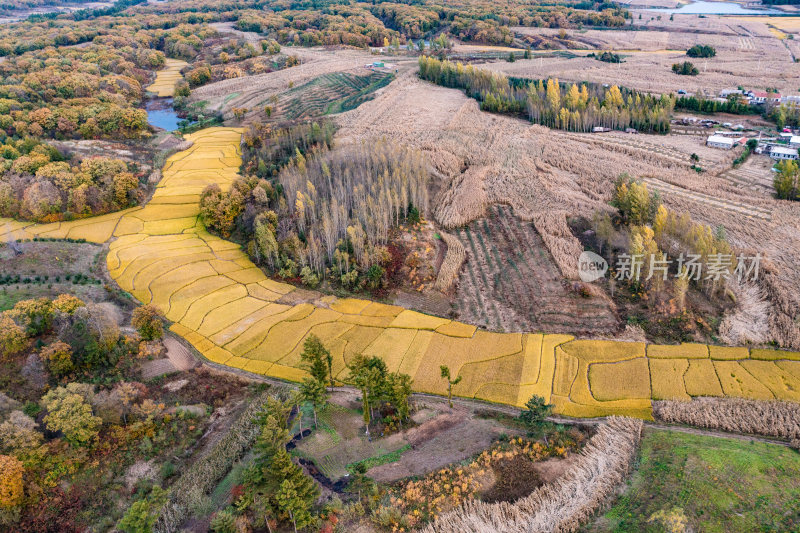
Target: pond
x=161, y=114
x=702, y=7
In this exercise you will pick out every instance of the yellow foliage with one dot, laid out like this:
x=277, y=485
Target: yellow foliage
x=11, y=489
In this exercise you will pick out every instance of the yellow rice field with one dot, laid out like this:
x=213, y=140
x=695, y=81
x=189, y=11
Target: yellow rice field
x=234, y=315
x=167, y=78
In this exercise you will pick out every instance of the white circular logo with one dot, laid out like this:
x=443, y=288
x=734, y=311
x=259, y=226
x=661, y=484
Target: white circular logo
x=591, y=267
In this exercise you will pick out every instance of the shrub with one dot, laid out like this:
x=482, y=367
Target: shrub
x=18, y=433
x=685, y=69
x=701, y=50
x=66, y=303
x=147, y=321
x=141, y=516
x=12, y=337
x=223, y=522
x=35, y=315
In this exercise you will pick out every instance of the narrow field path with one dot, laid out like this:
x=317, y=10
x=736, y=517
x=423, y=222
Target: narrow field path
x=225, y=306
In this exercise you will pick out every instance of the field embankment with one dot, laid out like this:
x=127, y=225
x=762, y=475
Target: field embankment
x=234, y=315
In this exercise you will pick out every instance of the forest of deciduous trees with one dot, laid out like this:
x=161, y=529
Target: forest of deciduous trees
x=324, y=213
x=551, y=103
x=37, y=183
x=368, y=24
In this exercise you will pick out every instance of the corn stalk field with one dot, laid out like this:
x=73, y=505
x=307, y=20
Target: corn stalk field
x=511, y=283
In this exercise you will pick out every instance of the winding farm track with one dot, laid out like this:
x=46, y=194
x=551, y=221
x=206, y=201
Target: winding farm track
x=234, y=315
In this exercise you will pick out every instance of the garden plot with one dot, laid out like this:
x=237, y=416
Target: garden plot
x=254, y=92
x=511, y=283
x=330, y=93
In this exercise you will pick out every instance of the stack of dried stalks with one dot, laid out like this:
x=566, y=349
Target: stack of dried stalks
x=451, y=265
x=565, y=504
x=771, y=418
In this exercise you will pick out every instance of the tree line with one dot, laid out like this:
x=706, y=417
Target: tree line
x=552, y=103
x=733, y=105
x=324, y=213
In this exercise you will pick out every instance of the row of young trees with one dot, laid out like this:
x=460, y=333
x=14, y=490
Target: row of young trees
x=326, y=213
x=733, y=105
x=554, y=104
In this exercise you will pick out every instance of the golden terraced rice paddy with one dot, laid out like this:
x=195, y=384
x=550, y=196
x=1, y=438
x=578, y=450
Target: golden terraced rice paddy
x=167, y=78
x=234, y=315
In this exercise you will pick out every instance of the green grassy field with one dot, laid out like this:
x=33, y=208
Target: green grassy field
x=720, y=485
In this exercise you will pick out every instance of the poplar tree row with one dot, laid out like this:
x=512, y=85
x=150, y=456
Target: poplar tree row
x=551, y=103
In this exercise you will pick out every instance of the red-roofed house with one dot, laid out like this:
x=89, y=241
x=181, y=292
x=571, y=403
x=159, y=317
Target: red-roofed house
x=758, y=97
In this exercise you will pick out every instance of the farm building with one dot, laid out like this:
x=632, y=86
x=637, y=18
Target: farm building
x=758, y=97
x=794, y=141
x=781, y=152
x=719, y=141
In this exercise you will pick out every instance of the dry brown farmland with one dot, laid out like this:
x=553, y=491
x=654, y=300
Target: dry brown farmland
x=748, y=53
x=481, y=159
x=511, y=283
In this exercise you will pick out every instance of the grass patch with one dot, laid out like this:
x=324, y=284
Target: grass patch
x=379, y=460
x=720, y=484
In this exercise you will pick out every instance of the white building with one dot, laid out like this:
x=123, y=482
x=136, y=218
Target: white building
x=781, y=152
x=718, y=141
x=794, y=142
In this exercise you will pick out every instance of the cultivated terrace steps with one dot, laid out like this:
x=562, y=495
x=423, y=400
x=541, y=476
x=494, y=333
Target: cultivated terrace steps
x=234, y=315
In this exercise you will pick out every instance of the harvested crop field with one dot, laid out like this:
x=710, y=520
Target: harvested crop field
x=511, y=283
x=751, y=51
x=254, y=92
x=232, y=314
